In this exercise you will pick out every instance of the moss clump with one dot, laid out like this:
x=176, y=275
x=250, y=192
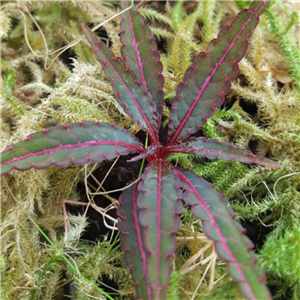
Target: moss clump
x=38, y=89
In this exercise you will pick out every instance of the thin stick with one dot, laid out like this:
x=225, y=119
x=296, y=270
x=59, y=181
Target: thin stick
x=60, y=50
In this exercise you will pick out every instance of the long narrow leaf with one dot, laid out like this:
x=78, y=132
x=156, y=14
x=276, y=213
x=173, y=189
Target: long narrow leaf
x=139, y=51
x=149, y=218
x=207, y=81
x=63, y=145
x=214, y=149
x=130, y=93
x=132, y=241
x=231, y=243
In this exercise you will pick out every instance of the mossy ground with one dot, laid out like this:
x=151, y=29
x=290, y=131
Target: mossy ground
x=39, y=258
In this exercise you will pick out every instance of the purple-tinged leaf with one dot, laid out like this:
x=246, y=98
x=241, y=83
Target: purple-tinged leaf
x=214, y=149
x=207, y=81
x=130, y=93
x=62, y=145
x=132, y=241
x=231, y=244
x=149, y=218
x=139, y=52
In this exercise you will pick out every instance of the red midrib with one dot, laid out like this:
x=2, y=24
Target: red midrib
x=216, y=227
x=138, y=57
x=139, y=239
x=194, y=149
x=52, y=150
x=151, y=132
x=140, y=66
x=208, y=79
x=158, y=240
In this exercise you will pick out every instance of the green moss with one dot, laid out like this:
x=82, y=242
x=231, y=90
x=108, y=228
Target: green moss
x=287, y=43
x=226, y=290
x=284, y=266
x=73, y=90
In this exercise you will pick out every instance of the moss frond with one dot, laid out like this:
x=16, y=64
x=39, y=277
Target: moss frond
x=74, y=88
x=210, y=20
x=180, y=51
x=285, y=264
x=5, y=25
x=161, y=33
x=155, y=16
x=287, y=44
x=177, y=15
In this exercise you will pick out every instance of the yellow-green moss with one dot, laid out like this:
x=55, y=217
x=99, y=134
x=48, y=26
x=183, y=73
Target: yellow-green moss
x=33, y=98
